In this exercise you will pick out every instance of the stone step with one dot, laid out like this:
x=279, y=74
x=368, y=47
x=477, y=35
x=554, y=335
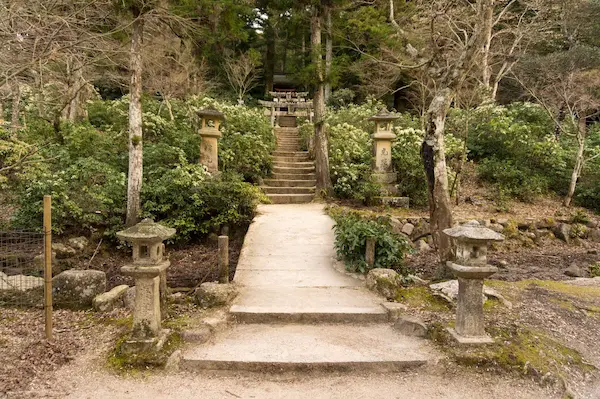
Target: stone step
x=288, y=190
x=290, y=183
x=293, y=164
x=319, y=305
x=300, y=158
x=290, y=153
x=294, y=176
x=291, y=198
x=294, y=170
x=285, y=348
x=288, y=141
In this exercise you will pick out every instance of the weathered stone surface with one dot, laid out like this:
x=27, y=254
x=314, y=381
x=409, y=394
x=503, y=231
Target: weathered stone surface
x=214, y=294
x=396, y=225
x=422, y=246
x=395, y=202
x=198, y=335
x=422, y=229
x=594, y=235
x=78, y=243
x=129, y=299
x=575, y=271
x=497, y=227
x=562, y=231
x=20, y=282
x=449, y=291
x=472, y=230
x=394, y=309
x=110, y=300
x=78, y=288
x=586, y=282
x=63, y=251
x=411, y=327
x=593, y=224
x=383, y=281
x=408, y=229
x=502, y=221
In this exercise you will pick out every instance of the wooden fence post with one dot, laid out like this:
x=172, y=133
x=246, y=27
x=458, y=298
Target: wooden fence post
x=370, y=252
x=48, y=265
x=224, y=259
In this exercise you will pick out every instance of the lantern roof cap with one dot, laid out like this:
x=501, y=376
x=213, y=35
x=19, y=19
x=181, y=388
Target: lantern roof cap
x=211, y=112
x=473, y=231
x=383, y=116
x=147, y=229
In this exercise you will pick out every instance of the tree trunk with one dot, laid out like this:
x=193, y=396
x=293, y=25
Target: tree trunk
x=328, y=54
x=269, y=58
x=134, y=183
x=487, y=26
x=581, y=133
x=16, y=103
x=434, y=161
x=78, y=83
x=321, y=149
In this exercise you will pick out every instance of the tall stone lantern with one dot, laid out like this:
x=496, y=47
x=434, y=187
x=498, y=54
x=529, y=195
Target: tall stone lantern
x=471, y=243
x=383, y=171
x=209, y=131
x=148, y=268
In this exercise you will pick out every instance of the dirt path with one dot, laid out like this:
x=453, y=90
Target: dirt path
x=82, y=380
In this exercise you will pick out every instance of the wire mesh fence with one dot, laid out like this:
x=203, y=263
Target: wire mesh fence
x=21, y=268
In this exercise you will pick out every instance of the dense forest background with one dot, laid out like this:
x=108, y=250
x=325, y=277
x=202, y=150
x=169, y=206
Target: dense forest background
x=508, y=89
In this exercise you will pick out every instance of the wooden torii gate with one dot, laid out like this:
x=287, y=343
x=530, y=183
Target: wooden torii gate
x=287, y=104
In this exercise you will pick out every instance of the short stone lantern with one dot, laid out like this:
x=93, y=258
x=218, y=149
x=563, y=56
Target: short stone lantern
x=383, y=171
x=471, y=243
x=209, y=131
x=148, y=269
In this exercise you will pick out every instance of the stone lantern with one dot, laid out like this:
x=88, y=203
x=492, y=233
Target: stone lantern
x=209, y=131
x=383, y=171
x=471, y=243
x=148, y=269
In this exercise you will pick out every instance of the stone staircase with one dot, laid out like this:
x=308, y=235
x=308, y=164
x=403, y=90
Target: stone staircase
x=293, y=178
x=296, y=312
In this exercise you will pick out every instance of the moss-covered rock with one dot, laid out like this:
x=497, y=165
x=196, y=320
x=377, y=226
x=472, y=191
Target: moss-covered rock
x=384, y=282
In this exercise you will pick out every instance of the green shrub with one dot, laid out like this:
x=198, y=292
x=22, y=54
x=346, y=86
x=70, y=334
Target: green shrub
x=351, y=233
x=513, y=180
x=194, y=203
x=86, y=195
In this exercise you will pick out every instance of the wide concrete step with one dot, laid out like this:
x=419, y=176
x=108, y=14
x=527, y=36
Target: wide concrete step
x=293, y=176
x=291, y=198
x=290, y=183
x=322, y=304
x=293, y=164
x=290, y=153
x=284, y=348
x=294, y=170
x=288, y=190
x=286, y=129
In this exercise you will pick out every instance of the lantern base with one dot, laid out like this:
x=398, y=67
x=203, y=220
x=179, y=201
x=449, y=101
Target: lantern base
x=145, y=345
x=479, y=340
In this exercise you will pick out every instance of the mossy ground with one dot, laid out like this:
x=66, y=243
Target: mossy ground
x=522, y=344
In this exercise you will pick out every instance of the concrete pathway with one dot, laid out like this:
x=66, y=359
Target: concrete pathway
x=286, y=275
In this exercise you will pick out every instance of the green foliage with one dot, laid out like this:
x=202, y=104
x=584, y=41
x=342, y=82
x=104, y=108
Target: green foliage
x=195, y=204
x=594, y=269
x=513, y=180
x=351, y=233
x=86, y=167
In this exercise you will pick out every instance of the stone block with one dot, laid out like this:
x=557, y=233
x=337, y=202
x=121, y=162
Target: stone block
x=110, y=300
x=562, y=231
x=209, y=295
x=394, y=309
x=129, y=299
x=78, y=243
x=78, y=288
x=383, y=281
x=63, y=251
x=411, y=327
x=408, y=229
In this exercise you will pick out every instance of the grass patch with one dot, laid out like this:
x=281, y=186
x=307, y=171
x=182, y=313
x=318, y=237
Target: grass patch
x=422, y=298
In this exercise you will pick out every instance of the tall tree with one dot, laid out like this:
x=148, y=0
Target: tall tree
x=136, y=162
x=321, y=149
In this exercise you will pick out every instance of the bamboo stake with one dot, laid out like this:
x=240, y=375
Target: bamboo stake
x=48, y=264
x=224, y=259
